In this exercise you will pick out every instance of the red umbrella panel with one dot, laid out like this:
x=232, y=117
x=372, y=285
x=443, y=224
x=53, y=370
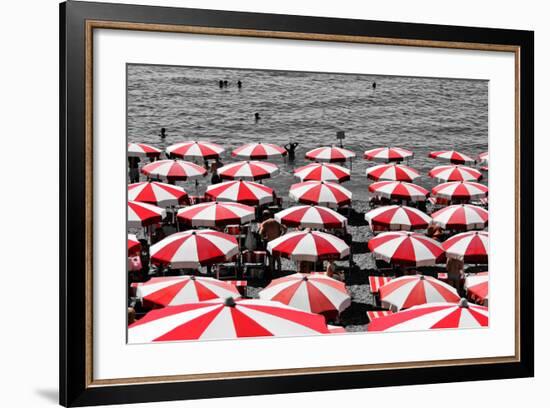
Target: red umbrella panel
x=399, y=190
x=133, y=244
x=259, y=151
x=309, y=246
x=320, y=193
x=455, y=173
x=225, y=319
x=460, y=190
x=451, y=156
x=311, y=216
x=477, y=287
x=397, y=217
x=142, y=150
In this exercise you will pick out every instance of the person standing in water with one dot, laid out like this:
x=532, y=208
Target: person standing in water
x=374, y=86
x=290, y=147
x=239, y=84
x=220, y=83
x=256, y=117
x=214, y=170
x=133, y=169
x=162, y=133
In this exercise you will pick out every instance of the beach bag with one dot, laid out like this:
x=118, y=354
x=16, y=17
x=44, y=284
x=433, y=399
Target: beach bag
x=134, y=263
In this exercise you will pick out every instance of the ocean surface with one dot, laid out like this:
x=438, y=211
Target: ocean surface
x=420, y=114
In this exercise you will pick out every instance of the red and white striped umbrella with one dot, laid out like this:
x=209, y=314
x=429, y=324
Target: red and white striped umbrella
x=397, y=217
x=470, y=247
x=311, y=293
x=143, y=214
x=248, y=170
x=310, y=216
x=462, y=315
x=245, y=192
x=330, y=154
x=195, y=150
x=477, y=287
x=225, y=319
x=451, y=156
x=258, y=151
x=388, y=154
x=173, y=170
x=178, y=290
x=394, y=172
x=322, y=172
x=216, y=214
x=161, y=194
x=484, y=158
x=413, y=290
x=406, y=248
x=142, y=150
x=399, y=190
x=193, y=248
x=462, y=217
x=455, y=173
x=309, y=246
x=320, y=193
x=133, y=244
x=460, y=190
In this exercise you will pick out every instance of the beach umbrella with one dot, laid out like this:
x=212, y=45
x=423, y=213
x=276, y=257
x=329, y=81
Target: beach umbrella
x=406, y=248
x=258, y=151
x=469, y=247
x=388, y=154
x=248, y=170
x=245, y=192
x=394, y=172
x=311, y=293
x=178, y=290
x=413, y=290
x=143, y=214
x=193, y=248
x=173, y=170
x=225, y=319
x=397, y=217
x=322, y=172
x=399, y=190
x=311, y=216
x=195, y=150
x=461, y=315
x=451, y=156
x=309, y=246
x=161, y=194
x=461, y=217
x=477, y=287
x=142, y=150
x=133, y=244
x=216, y=214
x=330, y=154
x=484, y=158
x=320, y=193
x=460, y=190
x=455, y=173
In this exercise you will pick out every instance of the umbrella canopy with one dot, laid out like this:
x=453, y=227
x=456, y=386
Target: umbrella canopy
x=311, y=216
x=451, y=156
x=225, y=319
x=161, y=194
x=388, y=154
x=173, y=170
x=406, y=248
x=397, y=217
x=460, y=190
x=216, y=214
x=309, y=246
x=477, y=287
x=133, y=244
x=455, y=173
x=178, y=290
x=248, y=170
x=143, y=214
x=193, y=248
x=195, y=150
x=484, y=157
x=311, y=293
x=142, y=150
x=394, y=172
x=399, y=190
x=245, y=192
x=413, y=290
x=470, y=247
x=258, y=151
x=320, y=193
x=330, y=154
x=322, y=172
x=462, y=217
x=462, y=315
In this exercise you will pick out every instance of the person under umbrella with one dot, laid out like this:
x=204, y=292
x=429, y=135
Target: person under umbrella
x=271, y=229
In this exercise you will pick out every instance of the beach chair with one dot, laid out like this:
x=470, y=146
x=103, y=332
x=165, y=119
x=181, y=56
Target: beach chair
x=228, y=270
x=375, y=283
x=376, y=314
x=241, y=286
x=254, y=263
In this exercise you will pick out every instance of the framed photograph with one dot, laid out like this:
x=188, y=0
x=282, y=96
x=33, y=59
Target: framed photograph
x=256, y=203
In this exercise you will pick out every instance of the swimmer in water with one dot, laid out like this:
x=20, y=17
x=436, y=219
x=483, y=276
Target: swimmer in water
x=239, y=84
x=162, y=133
x=225, y=83
x=220, y=83
x=374, y=86
x=257, y=116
